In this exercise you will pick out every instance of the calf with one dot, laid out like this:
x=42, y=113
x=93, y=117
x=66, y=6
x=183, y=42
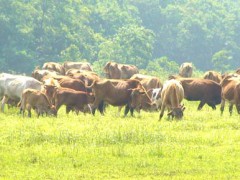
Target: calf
x=172, y=94
x=37, y=100
x=74, y=100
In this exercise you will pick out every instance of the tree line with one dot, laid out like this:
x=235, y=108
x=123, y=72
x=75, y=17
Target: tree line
x=154, y=35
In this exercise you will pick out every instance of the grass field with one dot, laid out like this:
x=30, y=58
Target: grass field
x=204, y=145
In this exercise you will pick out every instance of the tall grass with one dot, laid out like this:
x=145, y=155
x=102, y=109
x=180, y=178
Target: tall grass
x=202, y=145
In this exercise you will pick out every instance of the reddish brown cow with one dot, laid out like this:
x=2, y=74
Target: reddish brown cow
x=119, y=71
x=116, y=93
x=77, y=65
x=37, y=100
x=74, y=100
x=172, y=94
x=213, y=75
x=204, y=90
x=231, y=92
x=53, y=66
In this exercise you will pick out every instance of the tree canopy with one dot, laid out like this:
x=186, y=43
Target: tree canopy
x=145, y=33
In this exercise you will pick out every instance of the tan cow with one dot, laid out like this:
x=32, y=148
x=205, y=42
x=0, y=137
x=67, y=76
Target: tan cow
x=77, y=65
x=213, y=75
x=186, y=69
x=53, y=66
x=87, y=77
x=119, y=71
x=172, y=95
x=39, y=74
x=37, y=100
x=231, y=92
x=148, y=82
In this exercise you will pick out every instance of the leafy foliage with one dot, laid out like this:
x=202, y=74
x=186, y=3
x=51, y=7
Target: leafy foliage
x=127, y=31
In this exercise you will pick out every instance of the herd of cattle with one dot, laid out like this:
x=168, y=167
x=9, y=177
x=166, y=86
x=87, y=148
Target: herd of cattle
x=75, y=85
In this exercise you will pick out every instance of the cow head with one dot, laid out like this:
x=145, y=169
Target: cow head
x=52, y=111
x=90, y=98
x=177, y=112
x=106, y=69
x=141, y=100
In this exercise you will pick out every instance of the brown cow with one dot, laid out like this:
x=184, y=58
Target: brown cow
x=186, y=69
x=172, y=94
x=37, y=100
x=74, y=100
x=39, y=74
x=77, y=65
x=213, y=75
x=204, y=90
x=53, y=66
x=116, y=92
x=231, y=92
x=119, y=71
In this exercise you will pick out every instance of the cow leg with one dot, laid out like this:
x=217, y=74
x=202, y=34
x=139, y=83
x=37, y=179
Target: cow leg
x=230, y=108
x=212, y=105
x=68, y=109
x=162, y=112
x=96, y=105
x=29, y=113
x=127, y=108
x=101, y=107
x=119, y=110
x=237, y=107
x=4, y=100
x=222, y=106
x=131, y=111
x=201, y=105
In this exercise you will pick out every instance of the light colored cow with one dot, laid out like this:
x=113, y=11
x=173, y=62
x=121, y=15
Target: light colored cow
x=119, y=71
x=186, y=69
x=172, y=94
x=77, y=66
x=12, y=86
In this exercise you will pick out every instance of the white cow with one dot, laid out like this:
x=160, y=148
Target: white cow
x=156, y=97
x=12, y=86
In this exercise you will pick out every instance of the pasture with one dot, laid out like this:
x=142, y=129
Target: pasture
x=202, y=145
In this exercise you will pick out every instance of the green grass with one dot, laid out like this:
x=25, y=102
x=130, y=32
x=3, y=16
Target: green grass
x=202, y=145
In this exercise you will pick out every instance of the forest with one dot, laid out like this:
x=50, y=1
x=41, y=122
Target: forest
x=155, y=35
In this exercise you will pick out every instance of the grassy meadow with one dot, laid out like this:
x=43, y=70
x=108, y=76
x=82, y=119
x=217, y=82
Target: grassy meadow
x=203, y=145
